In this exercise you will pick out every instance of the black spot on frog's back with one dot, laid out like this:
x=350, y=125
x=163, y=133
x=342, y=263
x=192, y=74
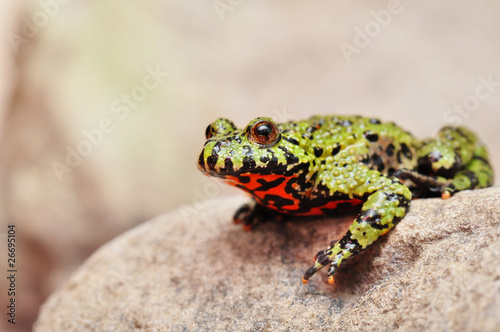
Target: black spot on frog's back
x=374, y=161
x=228, y=164
x=336, y=149
x=318, y=151
x=390, y=150
x=371, y=136
x=290, y=157
x=406, y=151
x=248, y=159
x=377, y=162
x=291, y=140
x=372, y=217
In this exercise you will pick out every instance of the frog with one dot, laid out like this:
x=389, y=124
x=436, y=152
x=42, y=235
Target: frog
x=331, y=163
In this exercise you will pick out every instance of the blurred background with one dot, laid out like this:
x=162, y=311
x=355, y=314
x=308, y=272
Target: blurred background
x=104, y=104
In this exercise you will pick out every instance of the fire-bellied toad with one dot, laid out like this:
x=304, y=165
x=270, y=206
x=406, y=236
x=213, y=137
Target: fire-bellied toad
x=325, y=163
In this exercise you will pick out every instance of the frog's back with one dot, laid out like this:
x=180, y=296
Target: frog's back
x=382, y=146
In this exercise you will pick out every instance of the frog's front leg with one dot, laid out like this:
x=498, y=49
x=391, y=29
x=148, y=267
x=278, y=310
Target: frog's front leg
x=385, y=206
x=252, y=213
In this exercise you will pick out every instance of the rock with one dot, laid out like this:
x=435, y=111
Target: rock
x=195, y=270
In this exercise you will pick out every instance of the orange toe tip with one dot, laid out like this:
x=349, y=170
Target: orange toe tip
x=445, y=195
x=247, y=228
x=331, y=280
x=304, y=281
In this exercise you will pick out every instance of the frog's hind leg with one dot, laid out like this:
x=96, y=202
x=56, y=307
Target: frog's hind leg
x=386, y=205
x=447, y=153
x=477, y=173
x=453, y=161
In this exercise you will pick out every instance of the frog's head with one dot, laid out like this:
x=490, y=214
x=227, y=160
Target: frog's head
x=262, y=148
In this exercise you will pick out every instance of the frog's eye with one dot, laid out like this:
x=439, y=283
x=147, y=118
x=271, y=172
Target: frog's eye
x=220, y=126
x=264, y=133
x=209, y=132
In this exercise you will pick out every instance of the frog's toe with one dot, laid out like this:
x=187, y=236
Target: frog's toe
x=243, y=214
x=446, y=190
x=322, y=258
x=331, y=272
x=247, y=216
x=309, y=273
x=318, y=254
x=445, y=194
x=325, y=252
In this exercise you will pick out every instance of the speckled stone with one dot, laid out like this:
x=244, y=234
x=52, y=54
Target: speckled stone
x=194, y=270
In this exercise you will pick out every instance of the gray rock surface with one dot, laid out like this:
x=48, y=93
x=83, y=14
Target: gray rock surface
x=193, y=269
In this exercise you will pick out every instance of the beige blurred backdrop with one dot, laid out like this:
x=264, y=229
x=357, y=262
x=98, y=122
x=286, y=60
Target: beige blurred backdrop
x=104, y=104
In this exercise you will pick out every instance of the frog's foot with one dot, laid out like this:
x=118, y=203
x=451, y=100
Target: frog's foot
x=325, y=257
x=246, y=215
x=426, y=183
x=251, y=214
x=455, y=160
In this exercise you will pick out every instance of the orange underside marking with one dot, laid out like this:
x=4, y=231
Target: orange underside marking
x=329, y=205
x=279, y=190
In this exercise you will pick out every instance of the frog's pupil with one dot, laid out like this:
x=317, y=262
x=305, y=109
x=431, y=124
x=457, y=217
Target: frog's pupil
x=264, y=130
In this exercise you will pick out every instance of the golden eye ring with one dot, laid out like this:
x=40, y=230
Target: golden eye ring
x=265, y=133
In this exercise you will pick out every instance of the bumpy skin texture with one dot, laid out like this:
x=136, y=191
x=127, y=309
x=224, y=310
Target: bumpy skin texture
x=329, y=163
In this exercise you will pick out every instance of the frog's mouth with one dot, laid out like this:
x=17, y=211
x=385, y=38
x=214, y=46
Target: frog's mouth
x=211, y=166
x=229, y=171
